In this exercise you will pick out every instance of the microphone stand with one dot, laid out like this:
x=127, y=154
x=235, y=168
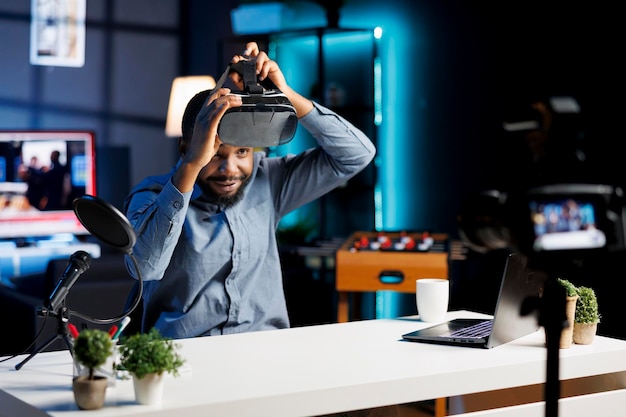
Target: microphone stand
x=108, y=224
x=63, y=333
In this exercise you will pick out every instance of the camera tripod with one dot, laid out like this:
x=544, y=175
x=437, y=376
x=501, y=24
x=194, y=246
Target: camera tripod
x=552, y=317
x=554, y=320
x=63, y=317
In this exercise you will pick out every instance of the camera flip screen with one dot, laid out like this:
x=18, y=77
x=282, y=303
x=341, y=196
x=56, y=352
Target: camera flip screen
x=565, y=224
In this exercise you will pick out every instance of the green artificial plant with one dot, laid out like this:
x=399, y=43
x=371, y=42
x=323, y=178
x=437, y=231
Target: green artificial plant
x=91, y=349
x=141, y=354
x=570, y=288
x=587, y=306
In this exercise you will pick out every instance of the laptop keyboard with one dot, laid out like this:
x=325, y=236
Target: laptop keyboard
x=479, y=330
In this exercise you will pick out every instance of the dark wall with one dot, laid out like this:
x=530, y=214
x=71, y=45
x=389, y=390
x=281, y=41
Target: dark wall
x=474, y=57
x=483, y=58
x=530, y=49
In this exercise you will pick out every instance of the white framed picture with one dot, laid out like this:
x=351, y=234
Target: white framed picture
x=57, y=32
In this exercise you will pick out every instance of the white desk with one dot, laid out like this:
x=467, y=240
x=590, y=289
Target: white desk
x=311, y=371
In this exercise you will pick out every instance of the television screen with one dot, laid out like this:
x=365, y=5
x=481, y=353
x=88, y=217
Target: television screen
x=41, y=173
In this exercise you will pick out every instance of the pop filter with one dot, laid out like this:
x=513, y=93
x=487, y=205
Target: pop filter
x=109, y=225
x=105, y=222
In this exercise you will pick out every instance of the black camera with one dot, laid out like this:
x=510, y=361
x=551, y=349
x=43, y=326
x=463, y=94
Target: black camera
x=266, y=118
x=548, y=217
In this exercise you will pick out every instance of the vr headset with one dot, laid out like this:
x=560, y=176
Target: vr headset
x=266, y=118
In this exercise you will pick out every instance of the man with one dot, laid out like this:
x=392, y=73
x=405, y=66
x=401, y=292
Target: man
x=55, y=184
x=33, y=176
x=206, y=243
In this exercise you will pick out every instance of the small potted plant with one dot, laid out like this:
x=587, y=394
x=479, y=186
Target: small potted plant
x=91, y=349
x=147, y=357
x=571, y=294
x=587, y=316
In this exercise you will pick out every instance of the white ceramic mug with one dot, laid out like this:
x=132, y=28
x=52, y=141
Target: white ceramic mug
x=432, y=296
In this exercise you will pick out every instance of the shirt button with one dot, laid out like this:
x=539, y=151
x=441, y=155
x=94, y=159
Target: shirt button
x=177, y=204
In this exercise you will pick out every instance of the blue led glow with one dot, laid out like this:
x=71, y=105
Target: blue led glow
x=378, y=92
x=398, y=86
x=399, y=116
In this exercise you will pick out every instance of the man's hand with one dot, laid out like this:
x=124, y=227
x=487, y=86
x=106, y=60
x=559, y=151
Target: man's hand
x=198, y=152
x=266, y=68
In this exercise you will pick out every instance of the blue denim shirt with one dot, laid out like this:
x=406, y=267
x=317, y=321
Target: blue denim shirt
x=210, y=272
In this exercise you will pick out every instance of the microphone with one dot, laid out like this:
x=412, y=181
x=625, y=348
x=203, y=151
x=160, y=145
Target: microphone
x=78, y=264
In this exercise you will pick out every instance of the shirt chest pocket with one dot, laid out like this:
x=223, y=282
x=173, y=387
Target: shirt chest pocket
x=252, y=233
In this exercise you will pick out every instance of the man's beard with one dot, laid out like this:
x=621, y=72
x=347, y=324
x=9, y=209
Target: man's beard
x=226, y=201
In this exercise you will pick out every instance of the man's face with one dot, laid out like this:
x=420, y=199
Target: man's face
x=222, y=180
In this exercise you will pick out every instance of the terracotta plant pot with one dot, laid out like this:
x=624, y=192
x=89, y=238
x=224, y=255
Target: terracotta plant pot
x=567, y=334
x=584, y=333
x=89, y=393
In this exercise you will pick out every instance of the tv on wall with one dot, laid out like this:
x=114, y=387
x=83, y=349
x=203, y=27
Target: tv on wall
x=41, y=173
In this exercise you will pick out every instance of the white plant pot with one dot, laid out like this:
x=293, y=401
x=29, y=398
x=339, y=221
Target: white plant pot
x=149, y=389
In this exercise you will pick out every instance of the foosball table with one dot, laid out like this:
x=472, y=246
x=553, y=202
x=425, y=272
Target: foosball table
x=377, y=261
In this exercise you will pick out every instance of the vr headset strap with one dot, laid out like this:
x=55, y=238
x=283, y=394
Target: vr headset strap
x=250, y=84
x=222, y=79
x=247, y=70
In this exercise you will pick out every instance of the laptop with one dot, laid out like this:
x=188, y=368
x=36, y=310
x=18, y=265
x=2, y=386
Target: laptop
x=519, y=291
